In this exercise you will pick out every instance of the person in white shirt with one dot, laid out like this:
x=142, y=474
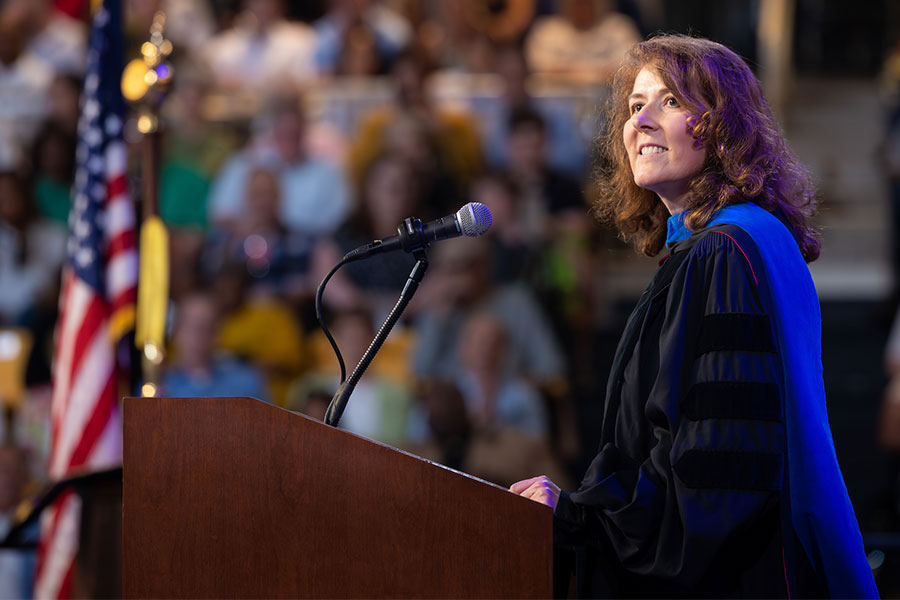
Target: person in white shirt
x=315, y=196
x=24, y=82
x=584, y=44
x=263, y=51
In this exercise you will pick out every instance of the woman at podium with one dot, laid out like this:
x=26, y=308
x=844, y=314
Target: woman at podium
x=716, y=473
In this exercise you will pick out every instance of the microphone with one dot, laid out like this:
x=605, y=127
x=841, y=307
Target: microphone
x=471, y=220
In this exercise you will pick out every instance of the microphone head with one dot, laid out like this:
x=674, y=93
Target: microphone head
x=474, y=219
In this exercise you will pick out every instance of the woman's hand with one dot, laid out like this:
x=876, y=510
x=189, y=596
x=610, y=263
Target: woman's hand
x=540, y=489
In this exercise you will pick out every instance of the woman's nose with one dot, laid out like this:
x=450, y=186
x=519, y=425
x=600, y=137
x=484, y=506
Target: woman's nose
x=645, y=120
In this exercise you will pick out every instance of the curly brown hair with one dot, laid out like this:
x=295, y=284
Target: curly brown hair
x=746, y=157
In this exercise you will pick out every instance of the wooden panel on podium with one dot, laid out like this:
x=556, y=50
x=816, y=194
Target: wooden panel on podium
x=231, y=497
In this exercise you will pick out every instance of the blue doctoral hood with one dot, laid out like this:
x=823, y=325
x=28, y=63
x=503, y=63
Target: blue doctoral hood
x=820, y=508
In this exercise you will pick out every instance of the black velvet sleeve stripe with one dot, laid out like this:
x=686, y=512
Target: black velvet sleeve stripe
x=708, y=469
x=735, y=331
x=751, y=400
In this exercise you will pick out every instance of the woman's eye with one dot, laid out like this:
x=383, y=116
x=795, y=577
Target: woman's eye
x=636, y=107
x=671, y=101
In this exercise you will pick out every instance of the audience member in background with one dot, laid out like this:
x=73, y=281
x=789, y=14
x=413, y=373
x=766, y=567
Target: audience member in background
x=507, y=414
x=263, y=51
x=444, y=146
x=381, y=401
x=552, y=211
x=440, y=32
x=553, y=215
x=53, y=171
x=11, y=153
x=496, y=396
x=583, y=43
x=413, y=137
x=16, y=566
x=491, y=423
x=552, y=202
x=439, y=424
x=260, y=328
x=359, y=54
x=459, y=285
x=24, y=82
x=31, y=254
x=339, y=30
x=516, y=255
x=462, y=36
x=64, y=102
x=55, y=38
x=185, y=271
x=567, y=146
x=275, y=259
x=195, y=369
x=389, y=193
x=315, y=198
x=193, y=152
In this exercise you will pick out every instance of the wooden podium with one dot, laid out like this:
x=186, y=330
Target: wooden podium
x=232, y=497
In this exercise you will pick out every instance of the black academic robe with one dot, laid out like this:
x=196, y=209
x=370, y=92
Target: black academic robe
x=686, y=496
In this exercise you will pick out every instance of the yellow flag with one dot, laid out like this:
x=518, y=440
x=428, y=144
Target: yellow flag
x=153, y=284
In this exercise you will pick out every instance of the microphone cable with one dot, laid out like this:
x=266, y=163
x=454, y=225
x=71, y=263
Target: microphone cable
x=319, y=316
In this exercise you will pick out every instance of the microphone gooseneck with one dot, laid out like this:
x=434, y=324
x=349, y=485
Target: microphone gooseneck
x=471, y=220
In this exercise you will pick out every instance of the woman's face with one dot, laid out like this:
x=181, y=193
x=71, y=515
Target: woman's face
x=664, y=156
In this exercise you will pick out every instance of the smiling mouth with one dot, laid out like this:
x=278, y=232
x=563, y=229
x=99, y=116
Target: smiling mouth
x=653, y=150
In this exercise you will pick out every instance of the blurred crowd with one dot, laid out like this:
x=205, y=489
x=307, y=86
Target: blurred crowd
x=291, y=136
x=296, y=131
x=289, y=143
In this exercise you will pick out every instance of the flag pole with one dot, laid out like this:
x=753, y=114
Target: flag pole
x=145, y=82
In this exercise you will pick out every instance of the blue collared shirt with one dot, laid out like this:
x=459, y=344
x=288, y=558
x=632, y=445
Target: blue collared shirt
x=676, y=229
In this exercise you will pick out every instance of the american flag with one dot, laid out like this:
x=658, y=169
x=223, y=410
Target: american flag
x=99, y=285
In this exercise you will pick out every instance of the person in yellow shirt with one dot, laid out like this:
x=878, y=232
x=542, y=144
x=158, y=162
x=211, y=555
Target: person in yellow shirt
x=261, y=329
x=444, y=146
